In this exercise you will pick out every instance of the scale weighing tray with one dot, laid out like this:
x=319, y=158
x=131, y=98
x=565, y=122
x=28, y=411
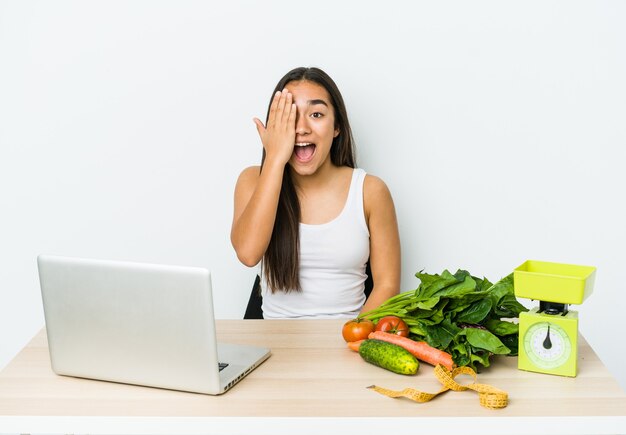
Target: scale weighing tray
x=554, y=282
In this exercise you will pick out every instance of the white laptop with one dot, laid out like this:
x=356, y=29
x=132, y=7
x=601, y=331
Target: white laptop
x=137, y=323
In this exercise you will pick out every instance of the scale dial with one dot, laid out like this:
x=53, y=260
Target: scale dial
x=547, y=345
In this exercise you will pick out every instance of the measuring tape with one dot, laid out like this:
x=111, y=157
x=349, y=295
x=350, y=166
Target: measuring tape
x=489, y=396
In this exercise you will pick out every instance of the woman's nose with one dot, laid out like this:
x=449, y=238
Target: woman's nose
x=302, y=126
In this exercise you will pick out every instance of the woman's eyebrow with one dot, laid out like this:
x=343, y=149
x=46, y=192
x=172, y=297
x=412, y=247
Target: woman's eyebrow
x=313, y=102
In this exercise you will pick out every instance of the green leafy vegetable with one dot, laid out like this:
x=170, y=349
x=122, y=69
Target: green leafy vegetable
x=483, y=339
x=476, y=312
x=460, y=314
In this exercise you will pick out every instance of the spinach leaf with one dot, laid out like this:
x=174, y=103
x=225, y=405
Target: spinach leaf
x=476, y=312
x=482, y=338
x=512, y=342
x=460, y=289
x=460, y=354
x=501, y=327
x=431, y=284
x=460, y=304
x=480, y=356
x=501, y=288
x=509, y=307
x=442, y=334
x=428, y=303
x=461, y=274
x=482, y=284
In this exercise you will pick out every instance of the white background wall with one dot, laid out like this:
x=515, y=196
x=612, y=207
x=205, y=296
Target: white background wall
x=499, y=128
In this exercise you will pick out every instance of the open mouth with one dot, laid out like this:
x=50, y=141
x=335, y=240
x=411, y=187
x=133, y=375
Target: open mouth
x=304, y=151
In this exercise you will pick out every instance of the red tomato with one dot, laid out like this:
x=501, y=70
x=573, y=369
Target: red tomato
x=357, y=329
x=393, y=325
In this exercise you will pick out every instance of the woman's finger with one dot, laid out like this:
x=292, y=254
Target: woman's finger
x=287, y=109
x=259, y=127
x=271, y=119
x=292, y=116
x=280, y=109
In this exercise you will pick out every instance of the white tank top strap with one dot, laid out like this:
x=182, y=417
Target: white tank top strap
x=354, y=204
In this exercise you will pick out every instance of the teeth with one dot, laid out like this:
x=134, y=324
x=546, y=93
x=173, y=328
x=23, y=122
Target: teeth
x=303, y=144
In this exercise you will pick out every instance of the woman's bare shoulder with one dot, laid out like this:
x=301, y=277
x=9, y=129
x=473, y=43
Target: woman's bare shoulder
x=247, y=181
x=251, y=171
x=374, y=187
x=249, y=174
x=376, y=196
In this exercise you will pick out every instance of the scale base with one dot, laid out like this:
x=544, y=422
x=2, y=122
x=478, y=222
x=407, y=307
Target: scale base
x=548, y=343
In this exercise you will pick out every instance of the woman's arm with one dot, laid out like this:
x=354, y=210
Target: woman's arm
x=257, y=191
x=256, y=199
x=385, y=259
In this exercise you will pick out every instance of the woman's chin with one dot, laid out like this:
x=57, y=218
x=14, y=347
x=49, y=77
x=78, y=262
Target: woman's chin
x=303, y=168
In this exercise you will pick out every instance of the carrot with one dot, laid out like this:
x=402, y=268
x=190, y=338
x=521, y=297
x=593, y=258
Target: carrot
x=419, y=349
x=354, y=345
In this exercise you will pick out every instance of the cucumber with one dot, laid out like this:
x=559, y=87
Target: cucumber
x=388, y=356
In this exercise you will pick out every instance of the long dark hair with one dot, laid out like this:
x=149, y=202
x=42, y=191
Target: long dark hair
x=281, y=261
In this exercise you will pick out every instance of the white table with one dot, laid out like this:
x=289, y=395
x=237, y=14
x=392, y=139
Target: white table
x=311, y=384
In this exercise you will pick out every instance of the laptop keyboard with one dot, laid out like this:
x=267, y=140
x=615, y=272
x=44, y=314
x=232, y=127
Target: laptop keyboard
x=222, y=366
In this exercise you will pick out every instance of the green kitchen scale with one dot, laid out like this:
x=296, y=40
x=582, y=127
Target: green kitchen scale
x=548, y=334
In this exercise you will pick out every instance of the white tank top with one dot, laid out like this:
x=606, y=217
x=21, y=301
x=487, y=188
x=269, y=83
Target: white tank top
x=333, y=257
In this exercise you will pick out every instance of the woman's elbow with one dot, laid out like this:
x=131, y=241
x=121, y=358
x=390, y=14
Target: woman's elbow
x=248, y=260
x=246, y=256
